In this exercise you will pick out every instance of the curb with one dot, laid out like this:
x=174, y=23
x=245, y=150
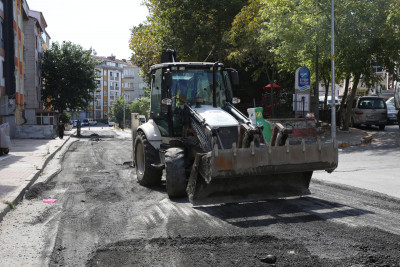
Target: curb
x=20, y=196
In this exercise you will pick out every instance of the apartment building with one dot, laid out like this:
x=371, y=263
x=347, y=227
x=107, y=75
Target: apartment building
x=23, y=38
x=13, y=14
x=109, y=86
x=133, y=86
x=115, y=78
x=36, y=41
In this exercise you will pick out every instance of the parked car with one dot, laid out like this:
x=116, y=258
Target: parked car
x=391, y=114
x=74, y=123
x=329, y=102
x=111, y=123
x=92, y=122
x=85, y=122
x=390, y=101
x=370, y=110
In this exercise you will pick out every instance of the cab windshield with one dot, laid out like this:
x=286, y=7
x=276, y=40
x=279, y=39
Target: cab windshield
x=189, y=84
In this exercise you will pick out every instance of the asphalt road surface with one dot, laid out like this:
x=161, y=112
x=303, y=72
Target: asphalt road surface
x=103, y=217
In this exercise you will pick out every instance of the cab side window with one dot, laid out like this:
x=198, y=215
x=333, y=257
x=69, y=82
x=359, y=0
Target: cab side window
x=155, y=105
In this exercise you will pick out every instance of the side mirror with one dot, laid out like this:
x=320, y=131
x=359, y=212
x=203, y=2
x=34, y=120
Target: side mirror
x=235, y=77
x=168, y=78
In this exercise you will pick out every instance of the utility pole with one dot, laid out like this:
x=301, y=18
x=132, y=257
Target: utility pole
x=333, y=104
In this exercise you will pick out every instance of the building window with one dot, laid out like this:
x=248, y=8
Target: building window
x=105, y=72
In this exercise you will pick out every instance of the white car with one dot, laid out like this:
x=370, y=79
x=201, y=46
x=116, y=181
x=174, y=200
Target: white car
x=111, y=123
x=92, y=122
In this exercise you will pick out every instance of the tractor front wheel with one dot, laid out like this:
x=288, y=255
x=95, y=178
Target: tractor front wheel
x=176, y=182
x=145, y=155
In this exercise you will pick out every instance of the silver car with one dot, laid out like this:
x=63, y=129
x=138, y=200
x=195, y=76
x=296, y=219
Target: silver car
x=370, y=110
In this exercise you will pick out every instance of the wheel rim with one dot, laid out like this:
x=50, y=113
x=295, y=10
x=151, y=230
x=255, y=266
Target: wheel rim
x=140, y=158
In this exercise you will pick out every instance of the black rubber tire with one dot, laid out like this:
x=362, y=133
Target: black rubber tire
x=353, y=125
x=307, y=177
x=145, y=155
x=176, y=181
x=382, y=127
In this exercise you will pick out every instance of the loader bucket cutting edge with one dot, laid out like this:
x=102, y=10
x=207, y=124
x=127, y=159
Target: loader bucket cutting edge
x=245, y=189
x=244, y=175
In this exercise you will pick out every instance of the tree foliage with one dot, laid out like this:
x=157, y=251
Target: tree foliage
x=68, y=77
x=117, y=110
x=196, y=29
x=276, y=36
x=366, y=34
x=146, y=46
x=139, y=105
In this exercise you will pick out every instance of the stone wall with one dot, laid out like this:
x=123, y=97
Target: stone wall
x=35, y=132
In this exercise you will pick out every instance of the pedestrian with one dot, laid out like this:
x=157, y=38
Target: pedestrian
x=78, y=127
x=61, y=129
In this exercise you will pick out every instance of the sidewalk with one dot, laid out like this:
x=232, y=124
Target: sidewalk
x=28, y=157
x=353, y=137
x=23, y=165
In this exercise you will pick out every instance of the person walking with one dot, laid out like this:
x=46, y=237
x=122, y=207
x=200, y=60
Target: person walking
x=61, y=129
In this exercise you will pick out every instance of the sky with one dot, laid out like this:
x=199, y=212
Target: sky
x=98, y=24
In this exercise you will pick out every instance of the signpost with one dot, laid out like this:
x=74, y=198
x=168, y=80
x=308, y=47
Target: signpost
x=301, y=97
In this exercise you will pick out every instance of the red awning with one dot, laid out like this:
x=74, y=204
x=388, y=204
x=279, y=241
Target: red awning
x=276, y=87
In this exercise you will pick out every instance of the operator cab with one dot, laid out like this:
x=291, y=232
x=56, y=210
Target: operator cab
x=176, y=84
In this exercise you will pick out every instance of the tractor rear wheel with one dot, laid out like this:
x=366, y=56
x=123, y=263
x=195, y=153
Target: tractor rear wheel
x=176, y=182
x=145, y=155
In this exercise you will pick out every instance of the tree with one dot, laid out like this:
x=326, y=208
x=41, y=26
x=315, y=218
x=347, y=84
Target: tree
x=68, y=77
x=196, y=29
x=146, y=47
x=141, y=106
x=117, y=110
x=366, y=34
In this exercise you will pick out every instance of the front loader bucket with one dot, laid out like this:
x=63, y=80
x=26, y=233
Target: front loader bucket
x=257, y=173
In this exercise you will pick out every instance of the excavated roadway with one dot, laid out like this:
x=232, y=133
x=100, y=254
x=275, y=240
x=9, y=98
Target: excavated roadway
x=103, y=217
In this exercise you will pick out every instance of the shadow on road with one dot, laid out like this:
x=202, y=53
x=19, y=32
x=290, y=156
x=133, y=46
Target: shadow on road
x=286, y=211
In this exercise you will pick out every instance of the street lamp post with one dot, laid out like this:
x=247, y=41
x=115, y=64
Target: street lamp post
x=333, y=106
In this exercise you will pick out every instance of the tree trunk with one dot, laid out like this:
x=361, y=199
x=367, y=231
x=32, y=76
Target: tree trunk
x=342, y=104
x=349, y=102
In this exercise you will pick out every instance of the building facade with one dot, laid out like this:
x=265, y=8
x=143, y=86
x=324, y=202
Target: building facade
x=14, y=13
x=115, y=78
x=109, y=86
x=34, y=30
x=23, y=38
x=133, y=86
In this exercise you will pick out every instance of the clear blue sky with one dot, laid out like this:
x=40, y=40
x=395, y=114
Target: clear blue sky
x=100, y=24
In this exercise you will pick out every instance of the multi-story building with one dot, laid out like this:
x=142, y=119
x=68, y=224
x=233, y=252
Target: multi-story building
x=35, y=32
x=12, y=101
x=133, y=86
x=115, y=78
x=23, y=39
x=109, y=81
